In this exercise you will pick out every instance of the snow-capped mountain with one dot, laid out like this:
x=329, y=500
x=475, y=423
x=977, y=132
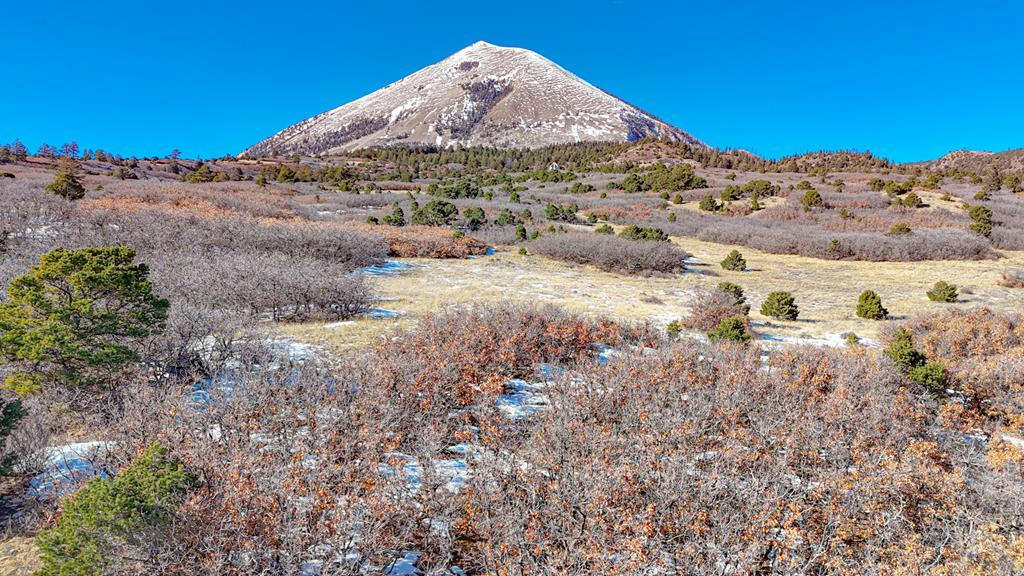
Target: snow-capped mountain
x=483, y=95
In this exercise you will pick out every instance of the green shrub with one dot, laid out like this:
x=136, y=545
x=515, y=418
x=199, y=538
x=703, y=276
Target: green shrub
x=520, y=232
x=474, y=217
x=899, y=229
x=812, y=199
x=397, y=217
x=981, y=220
x=902, y=352
x=634, y=232
x=67, y=186
x=562, y=213
x=372, y=220
x=735, y=262
x=522, y=251
x=108, y=526
x=673, y=329
x=933, y=376
x=983, y=195
x=731, y=192
x=734, y=290
x=851, y=338
x=733, y=329
x=869, y=306
x=845, y=214
x=435, y=213
x=780, y=305
x=708, y=204
x=943, y=292
x=912, y=200
x=505, y=217
x=671, y=216
x=677, y=199
x=10, y=414
x=77, y=319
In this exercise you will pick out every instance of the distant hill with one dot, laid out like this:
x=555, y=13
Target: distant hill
x=977, y=162
x=483, y=95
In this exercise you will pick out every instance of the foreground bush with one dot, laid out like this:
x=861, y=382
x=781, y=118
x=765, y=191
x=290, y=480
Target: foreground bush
x=780, y=305
x=77, y=320
x=465, y=356
x=982, y=352
x=612, y=253
x=869, y=306
x=336, y=470
x=100, y=527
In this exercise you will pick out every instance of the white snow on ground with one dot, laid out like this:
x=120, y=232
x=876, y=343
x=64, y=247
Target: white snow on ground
x=389, y=268
x=455, y=471
x=292, y=350
x=1015, y=441
x=522, y=399
x=67, y=467
x=379, y=313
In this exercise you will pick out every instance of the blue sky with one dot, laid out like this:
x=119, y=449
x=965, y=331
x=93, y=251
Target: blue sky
x=907, y=80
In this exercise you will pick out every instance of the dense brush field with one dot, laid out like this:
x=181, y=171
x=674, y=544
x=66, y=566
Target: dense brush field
x=160, y=415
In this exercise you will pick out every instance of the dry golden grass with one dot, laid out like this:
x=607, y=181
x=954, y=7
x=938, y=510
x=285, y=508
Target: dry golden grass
x=18, y=556
x=826, y=291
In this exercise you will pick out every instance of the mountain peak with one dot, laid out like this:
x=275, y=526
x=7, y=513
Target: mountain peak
x=482, y=95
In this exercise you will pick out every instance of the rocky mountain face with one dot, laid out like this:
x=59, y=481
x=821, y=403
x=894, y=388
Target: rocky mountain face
x=483, y=95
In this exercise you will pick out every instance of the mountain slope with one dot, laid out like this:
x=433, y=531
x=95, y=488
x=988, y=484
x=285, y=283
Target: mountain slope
x=975, y=161
x=483, y=95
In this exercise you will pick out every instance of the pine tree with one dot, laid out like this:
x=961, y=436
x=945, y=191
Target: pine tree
x=869, y=306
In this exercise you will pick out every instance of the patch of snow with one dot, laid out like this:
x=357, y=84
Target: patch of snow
x=522, y=399
x=454, y=471
x=389, y=268
x=380, y=313
x=67, y=467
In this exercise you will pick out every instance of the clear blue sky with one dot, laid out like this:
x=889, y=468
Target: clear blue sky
x=907, y=80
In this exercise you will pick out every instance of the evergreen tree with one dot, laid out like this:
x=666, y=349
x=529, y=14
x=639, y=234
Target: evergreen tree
x=780, y=305
x=943, y=292
x=735, y=262
x=397, y=217
x=67, y=186
x=869, y=306
x=111, y=516
x=77, y=319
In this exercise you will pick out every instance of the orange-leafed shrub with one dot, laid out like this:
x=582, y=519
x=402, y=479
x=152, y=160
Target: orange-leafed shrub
x=424, y=241
x=466, y=355
x=710, y=307
x=984, y=353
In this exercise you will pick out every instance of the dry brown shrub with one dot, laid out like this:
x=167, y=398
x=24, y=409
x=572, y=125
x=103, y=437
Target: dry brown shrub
x=423, y=241
x=1012, y=278
x=710, y=307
